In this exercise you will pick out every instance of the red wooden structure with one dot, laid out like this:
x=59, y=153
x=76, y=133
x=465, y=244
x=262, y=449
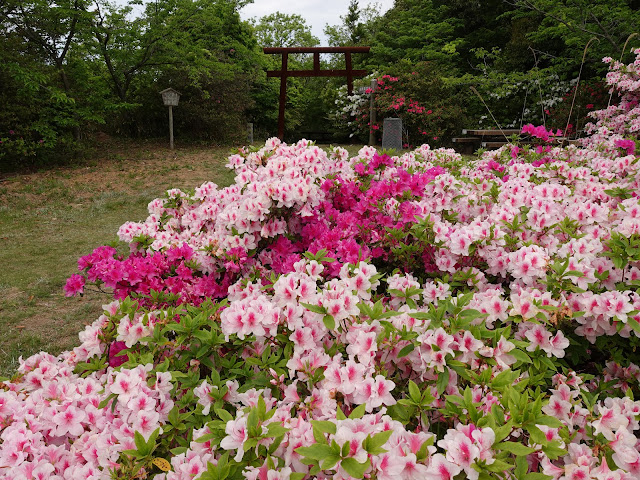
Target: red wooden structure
x=284, y=72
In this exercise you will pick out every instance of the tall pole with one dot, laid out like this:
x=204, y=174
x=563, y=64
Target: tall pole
x=349, y=66
x=372, y=112
x=283, y=95
x=171, y=127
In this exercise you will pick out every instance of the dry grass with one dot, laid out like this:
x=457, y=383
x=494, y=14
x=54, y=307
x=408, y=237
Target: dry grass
x=49, y=219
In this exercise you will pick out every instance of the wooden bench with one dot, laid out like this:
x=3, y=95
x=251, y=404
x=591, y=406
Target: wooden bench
x=476, y=138
x=492, y=139
x=555, y=142
x=493, y=132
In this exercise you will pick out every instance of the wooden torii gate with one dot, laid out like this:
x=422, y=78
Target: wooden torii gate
x=284, y=72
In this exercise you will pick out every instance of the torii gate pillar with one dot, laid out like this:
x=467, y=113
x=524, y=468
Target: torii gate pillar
x=284, y=72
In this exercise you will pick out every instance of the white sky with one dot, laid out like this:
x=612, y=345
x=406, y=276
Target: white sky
x=317, y=13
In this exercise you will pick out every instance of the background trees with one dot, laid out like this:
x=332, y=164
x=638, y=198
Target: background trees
x=71, y=68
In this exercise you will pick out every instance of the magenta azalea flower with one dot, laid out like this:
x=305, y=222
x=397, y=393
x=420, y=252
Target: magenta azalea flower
x=74, y=285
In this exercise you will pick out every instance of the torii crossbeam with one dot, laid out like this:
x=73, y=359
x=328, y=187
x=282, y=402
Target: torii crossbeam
x=284, y=72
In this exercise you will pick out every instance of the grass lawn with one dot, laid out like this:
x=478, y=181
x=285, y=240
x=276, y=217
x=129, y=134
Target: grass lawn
x=51, y=218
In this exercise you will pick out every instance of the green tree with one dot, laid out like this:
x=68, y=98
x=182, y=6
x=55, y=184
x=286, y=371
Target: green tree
x=45, y=107
x=357, y=28
x=199, y=47
x=49, y=29
x=565, y=27
x=284, y=30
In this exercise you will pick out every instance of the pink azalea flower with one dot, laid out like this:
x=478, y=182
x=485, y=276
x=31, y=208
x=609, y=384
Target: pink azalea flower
x=75, y=285
x=69, y=421
x=441, y=469
x=236, y=431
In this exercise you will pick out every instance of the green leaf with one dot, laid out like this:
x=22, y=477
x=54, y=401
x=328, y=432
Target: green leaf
x=373, y=444
x=499, y=466
x=633, y=323
x=330, y=462
x=314, y=308
x=573, y=273
x=276, y=430
x=521, y=466
x=355, y=468
x=467, y=316
x=223, y=415
x=421, y=454
x=514, y=447
x=133, y=453
x=468, y=398
x=553, y=450
x=365, y=309
x=252, y=419
x=324, y=426
x=275, y=444
x=536, y=435
x=141, y=444
x=414, y=392
x=503, y=379
x=536, y=476
x=503, y=431
x=262, y=407
x=345, y=448
x=406, y=350
x=318, y=436
x=206, y=437
x=151, y=443
x=443, y=381
x=358, y=412
x=552, y=422
x=329, y=322
x=106, y=401
x=520, y=355
x=316, y=451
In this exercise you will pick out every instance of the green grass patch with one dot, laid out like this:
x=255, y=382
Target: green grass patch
x=51, y=218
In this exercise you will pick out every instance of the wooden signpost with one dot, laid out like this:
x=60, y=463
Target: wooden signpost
x=170, y=98
x=285, y=73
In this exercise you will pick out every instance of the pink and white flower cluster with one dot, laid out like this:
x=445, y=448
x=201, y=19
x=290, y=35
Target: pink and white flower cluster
x=53, y=426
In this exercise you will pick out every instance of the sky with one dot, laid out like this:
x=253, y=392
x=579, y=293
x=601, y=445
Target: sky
x=317, y=13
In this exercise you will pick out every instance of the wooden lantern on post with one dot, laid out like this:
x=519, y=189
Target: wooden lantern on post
x=170, y=98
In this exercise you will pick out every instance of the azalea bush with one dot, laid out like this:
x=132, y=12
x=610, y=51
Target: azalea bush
x=373, y=317
x=429, y=110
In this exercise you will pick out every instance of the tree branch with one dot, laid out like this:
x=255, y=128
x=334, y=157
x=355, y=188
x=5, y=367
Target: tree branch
x=573, y=28
x=72, y=31
x=606, y=33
